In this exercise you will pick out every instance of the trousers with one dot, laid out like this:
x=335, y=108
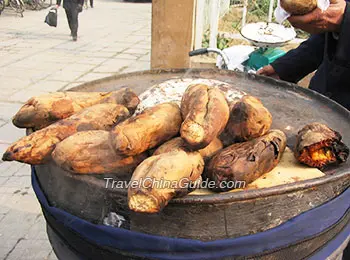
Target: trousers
x=72, y=17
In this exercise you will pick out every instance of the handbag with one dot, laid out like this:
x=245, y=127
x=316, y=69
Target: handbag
x=51, y=17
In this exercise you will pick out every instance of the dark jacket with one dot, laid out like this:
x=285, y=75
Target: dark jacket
x=330, y=55
x=68, y=4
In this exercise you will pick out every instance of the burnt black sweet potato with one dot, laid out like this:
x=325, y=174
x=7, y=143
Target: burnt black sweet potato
x=246, y=162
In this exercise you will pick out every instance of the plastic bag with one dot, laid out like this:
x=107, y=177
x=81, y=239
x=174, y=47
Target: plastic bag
x=51, y=17
x=281, y=15
x=237, y=55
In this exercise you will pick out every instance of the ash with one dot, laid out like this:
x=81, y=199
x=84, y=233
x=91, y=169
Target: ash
x=173, y=90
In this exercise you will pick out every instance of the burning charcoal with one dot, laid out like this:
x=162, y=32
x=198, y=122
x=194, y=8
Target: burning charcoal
x=318, y=146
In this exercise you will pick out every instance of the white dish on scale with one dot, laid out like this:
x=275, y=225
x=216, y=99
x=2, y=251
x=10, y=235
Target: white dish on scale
x=265, y=35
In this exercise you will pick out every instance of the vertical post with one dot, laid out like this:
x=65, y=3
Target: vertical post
x=199, y=28
x=272, y=3
x=244, y=15
x=214, y=22
x=172, y=33
x=224, y=7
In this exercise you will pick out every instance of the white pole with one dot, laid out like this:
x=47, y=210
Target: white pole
x=272, y=2
x=244, y=15
x=214, y=22
x=199, y=24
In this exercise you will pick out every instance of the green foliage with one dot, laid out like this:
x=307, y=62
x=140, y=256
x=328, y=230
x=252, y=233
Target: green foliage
x=222, y=43
x=260, y=8
x=205, y=41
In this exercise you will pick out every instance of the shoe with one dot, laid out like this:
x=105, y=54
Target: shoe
x=75, y=38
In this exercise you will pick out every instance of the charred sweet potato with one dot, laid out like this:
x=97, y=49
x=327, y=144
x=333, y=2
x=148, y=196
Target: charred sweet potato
x=249, y=119
x=41, y=111
x=298, y=7
x=205, y=113
x=318, y=146
x=246, y=162
x=149, y=129
x=37, y=147
x=91, y=152
x=160, y=178
x=179, y=144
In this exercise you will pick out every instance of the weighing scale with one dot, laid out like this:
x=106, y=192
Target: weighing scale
x=267, y=37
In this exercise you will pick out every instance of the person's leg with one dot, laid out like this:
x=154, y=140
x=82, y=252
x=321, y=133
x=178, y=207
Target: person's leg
x=74, y=24
x=92, y=3
x=69, y=18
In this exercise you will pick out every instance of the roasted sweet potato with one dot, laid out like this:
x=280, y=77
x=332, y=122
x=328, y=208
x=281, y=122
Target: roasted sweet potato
x=91, y=152
x=249, y=119
x=44, y=110
x=205, y=113
x=152, y=127
x=179, y=144
x=246, y=162
x=37, y=147
x=298, y=7
x=319, y=146
x=160, y=178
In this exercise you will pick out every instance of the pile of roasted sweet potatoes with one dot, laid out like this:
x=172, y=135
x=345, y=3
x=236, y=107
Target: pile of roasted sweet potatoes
x=205, y=137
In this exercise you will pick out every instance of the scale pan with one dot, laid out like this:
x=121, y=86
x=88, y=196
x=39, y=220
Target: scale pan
x=264, y=34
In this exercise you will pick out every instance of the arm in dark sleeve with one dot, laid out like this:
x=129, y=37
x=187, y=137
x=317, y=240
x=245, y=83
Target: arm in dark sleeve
x=342, y=49
x=298, y=63
x=58, y=2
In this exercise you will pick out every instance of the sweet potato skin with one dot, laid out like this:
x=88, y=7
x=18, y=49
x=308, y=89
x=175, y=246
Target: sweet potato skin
x=147, y=130
x=249, y=119
x=41, y=111
x=178, y=168
x=319, y=137
x=178, y=143
x=298, y=7
x=205, y=113
x=91, y=152
x=246, y=162
x=37, y=147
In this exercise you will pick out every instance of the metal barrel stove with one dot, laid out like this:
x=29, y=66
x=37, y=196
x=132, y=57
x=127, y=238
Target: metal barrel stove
x=220, y=226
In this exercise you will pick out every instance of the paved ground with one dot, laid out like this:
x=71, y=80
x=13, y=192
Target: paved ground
x=114, y=37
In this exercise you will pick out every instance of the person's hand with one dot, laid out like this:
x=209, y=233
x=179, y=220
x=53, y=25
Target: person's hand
x=318, y=21
x=268, y=71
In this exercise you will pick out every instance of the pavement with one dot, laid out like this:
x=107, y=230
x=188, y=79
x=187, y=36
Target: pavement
x=114, y=37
